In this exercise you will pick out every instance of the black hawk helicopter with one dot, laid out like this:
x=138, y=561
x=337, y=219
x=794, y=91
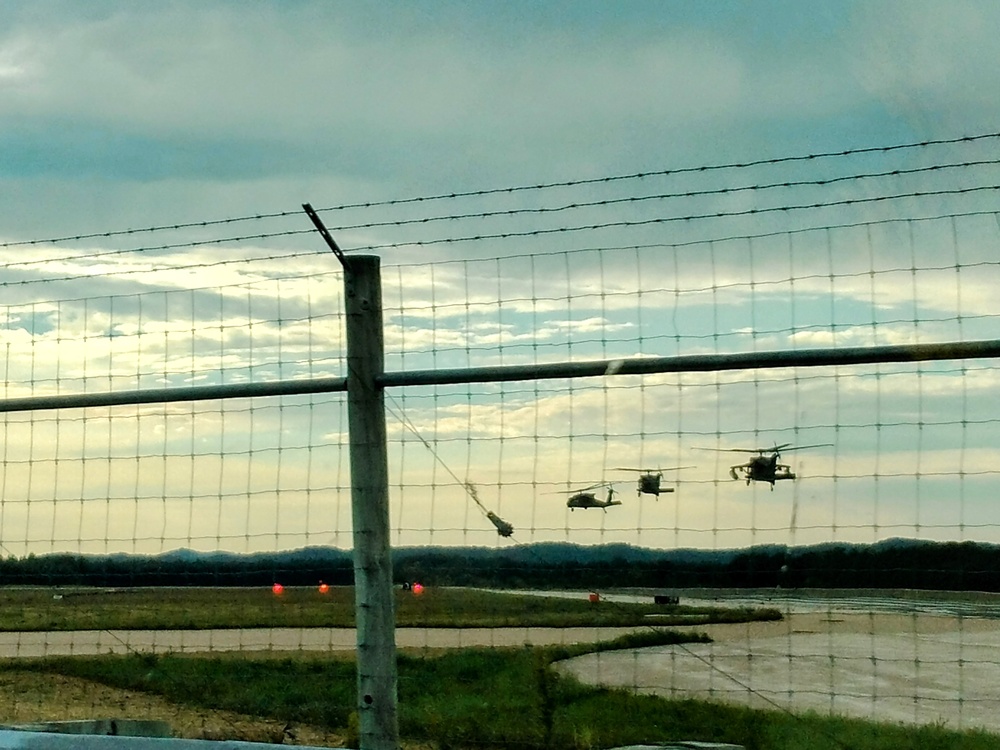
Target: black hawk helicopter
x=764, y=467
x=586, y=498
x=650, y=479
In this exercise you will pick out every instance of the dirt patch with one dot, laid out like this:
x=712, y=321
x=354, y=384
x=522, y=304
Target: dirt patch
x=31, y=697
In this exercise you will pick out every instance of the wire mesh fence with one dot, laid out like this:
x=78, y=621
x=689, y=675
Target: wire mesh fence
x=870, y=248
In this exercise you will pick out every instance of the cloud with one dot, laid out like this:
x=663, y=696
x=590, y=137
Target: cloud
x=119, y=116
x=929, y=64
x=262, y=91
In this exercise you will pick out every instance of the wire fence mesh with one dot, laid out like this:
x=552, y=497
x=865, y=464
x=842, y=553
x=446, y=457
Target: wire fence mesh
x=868, y=248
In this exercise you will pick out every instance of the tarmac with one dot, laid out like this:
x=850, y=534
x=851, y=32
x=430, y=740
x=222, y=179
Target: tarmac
x=914, y=668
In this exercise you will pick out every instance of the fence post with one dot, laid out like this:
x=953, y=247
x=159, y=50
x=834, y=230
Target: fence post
x=373, y=585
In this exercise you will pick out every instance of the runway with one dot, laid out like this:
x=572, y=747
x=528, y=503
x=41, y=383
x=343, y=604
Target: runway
x=94, y=642
x=898, y=658
x=915, y=667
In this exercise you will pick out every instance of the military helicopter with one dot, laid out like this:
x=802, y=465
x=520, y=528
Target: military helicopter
x=764, y=467
x=649, y=479
x=586, y=498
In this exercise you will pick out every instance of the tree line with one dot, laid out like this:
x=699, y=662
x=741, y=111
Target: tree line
x=893, y=564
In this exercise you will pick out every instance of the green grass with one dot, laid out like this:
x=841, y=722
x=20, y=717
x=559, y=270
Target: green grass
x=493, y=698
x=203, y=608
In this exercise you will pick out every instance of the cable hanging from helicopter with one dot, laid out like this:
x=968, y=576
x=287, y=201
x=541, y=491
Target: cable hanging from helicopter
x=503, y=528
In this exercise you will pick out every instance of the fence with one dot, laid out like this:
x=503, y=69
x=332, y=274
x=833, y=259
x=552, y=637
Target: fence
x=187, y=392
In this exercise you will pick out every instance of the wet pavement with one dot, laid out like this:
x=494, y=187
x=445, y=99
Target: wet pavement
x=905, y=659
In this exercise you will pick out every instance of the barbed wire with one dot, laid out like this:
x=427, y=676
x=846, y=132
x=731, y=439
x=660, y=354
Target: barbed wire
x=710, y=240
x=524, y=233
x=175, y=246
x=625, y=223
x=167, y=269
x=661, y=196
x=515, y=189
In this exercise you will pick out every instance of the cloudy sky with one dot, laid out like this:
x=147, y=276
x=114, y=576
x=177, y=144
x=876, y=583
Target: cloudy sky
x=195, y=118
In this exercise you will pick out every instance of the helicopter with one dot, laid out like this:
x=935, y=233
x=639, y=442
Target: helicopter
x=649, y=479
x=585, y=498
x=764, y=467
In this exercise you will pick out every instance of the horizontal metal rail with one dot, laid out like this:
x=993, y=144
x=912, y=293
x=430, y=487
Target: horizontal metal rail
x=698, y=363
x=988, y=349
x=172, y=395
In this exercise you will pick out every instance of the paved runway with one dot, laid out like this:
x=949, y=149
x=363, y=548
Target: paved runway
x=92, y=642
x=912, y=668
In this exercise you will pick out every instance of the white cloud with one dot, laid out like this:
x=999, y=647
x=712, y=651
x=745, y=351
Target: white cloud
x=15, y=68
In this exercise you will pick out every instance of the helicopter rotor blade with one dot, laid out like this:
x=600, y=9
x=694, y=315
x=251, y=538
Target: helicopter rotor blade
x=773, y=449
x=729, y=450
x=599, y=485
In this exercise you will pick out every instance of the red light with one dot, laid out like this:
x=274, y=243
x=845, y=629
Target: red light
x=278, y=589
x=418, y=589
x=324, y=588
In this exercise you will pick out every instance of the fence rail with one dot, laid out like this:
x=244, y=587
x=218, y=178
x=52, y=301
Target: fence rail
x=820, y=357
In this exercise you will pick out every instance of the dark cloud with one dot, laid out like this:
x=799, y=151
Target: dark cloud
x=185, y=97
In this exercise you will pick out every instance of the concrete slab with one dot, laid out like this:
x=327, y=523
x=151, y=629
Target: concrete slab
x=915, y=669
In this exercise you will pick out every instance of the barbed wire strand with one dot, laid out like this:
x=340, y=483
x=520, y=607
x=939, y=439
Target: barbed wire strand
x=512, y=189
x=656, y=196
x=524, y=233
x=675, y=219
x=571, y=251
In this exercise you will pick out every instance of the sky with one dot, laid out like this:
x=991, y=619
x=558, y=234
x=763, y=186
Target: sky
x=213, y=123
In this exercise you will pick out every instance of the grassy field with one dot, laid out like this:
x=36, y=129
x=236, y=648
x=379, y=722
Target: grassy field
x=203, y=608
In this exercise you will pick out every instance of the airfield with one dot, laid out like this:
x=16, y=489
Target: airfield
x=904, y=659
x=912, y=658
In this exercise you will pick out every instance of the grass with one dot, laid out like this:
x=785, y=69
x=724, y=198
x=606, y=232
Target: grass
x=493, y=698
x=27, y=609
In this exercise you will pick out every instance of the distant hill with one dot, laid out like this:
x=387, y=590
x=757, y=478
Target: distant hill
x=893, y=563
